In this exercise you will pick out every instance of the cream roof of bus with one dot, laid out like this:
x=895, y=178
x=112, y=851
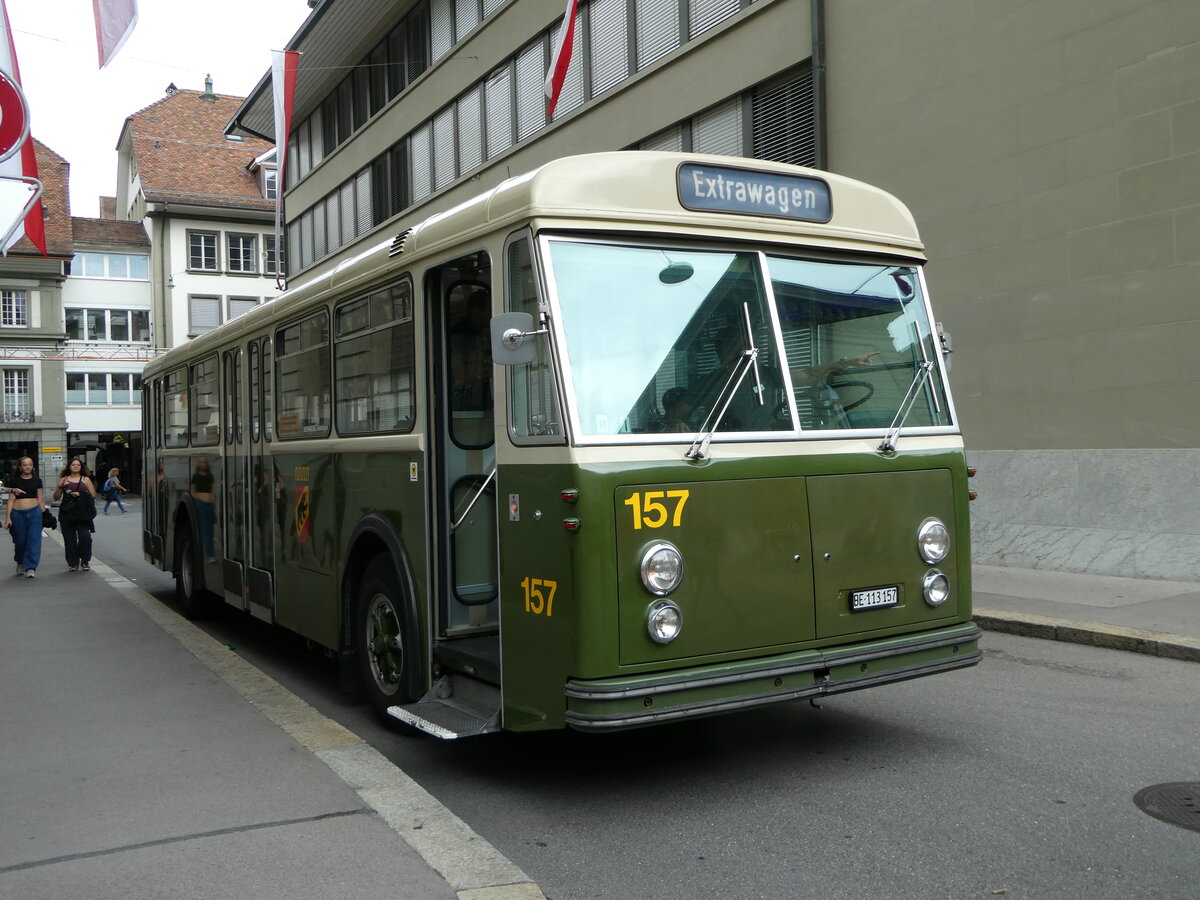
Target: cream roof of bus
x=638, y=190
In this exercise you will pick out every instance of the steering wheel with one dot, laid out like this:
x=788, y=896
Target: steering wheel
x=854, y=404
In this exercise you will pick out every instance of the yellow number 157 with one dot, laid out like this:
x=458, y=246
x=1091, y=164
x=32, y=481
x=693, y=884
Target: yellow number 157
x=650, y=511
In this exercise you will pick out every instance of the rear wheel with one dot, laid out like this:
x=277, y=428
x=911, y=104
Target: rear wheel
x=191, y=596
x=381, y=638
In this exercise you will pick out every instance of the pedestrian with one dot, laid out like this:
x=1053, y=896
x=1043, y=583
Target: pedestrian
x=113, y=489
x=76, y=510
x=23, y=516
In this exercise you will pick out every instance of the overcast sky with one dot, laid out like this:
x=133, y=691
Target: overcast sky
x=77, y=109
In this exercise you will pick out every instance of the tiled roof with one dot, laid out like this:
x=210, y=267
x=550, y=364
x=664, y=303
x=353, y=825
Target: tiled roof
x=181, y=153
x=109, y=231
x=53, y=172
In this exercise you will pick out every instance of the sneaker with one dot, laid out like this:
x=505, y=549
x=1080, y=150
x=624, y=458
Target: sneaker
x=29, y=573
x=20, y=569
x=85, y=567
x=72, y=568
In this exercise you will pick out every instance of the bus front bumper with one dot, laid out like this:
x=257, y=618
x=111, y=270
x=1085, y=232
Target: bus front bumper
x=615, y=703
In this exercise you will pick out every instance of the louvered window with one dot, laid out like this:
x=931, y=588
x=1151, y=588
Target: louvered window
x=306, y=241
x=316, y=143
x=610, y=44
x=657, y=30
x=466, y=17
x=305, y=152
x=490, y=6
x=669, y=140
x=441, y=28
x=204, y=314
x=470, y=131
x=443, y=148
x=362, y=191
x=782, y=120
x=398, y=169
x=719, y=130
x=422, y=174
x=571, y=94
x=349, y=213
x=333, y=216
x=319, y=246
x=704, y=14
x=498, y=109
x=531, y=106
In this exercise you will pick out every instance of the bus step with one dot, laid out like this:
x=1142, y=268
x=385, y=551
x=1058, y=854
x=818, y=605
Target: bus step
x=455, y=707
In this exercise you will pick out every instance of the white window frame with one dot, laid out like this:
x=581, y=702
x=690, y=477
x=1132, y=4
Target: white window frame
x=241, y=256
x=14, y=308
x=15, y=388
x=215, y=237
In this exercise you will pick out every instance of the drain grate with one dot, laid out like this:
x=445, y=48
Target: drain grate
x=1176, y=803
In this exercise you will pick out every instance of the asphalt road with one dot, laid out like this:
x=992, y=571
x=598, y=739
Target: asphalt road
x=1015, y=778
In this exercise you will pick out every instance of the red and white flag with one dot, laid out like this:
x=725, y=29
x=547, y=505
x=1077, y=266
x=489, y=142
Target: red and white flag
x=561, y=58
x=115, y=20
x=21, y=166
x=283, y=83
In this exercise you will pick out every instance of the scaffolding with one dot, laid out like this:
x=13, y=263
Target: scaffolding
x=128, y=353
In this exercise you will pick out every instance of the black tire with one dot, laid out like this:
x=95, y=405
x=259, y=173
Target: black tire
x=189, y=577
x=383, y=639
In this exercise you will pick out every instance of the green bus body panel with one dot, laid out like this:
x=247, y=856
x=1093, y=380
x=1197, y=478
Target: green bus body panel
x=865, y=536
x=745, y=598
x=743, y=587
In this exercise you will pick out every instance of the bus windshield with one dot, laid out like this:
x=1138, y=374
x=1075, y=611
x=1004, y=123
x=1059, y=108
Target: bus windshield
x=657, y=339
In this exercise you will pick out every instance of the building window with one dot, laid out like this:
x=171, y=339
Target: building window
x=202, y=251
x=270, y=183
x=242, y=252
x=14, y=309
x=16, y=396
x=204, y=314
x=272, y=261
x=239, y=306
x=108, y=325
x=120, y=266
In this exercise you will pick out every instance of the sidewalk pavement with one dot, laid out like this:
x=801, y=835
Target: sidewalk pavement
x=1161, y=618
x=140, y=758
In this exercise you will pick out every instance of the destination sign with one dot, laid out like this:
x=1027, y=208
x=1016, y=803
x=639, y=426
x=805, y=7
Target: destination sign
x=749, y=193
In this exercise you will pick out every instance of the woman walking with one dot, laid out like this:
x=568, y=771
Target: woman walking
x=76, y=510
x=23, y=516
x=113, y=489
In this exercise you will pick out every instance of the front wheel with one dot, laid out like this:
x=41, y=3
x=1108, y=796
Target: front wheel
x=381, y=638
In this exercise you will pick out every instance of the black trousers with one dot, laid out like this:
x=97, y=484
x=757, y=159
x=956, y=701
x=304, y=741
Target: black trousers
x=78, y=538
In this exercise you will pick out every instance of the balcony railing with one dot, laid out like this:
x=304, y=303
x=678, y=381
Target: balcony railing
x=17, y=416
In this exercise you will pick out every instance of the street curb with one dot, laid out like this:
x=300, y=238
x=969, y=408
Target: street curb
x=470, y=865
x=1095, y=634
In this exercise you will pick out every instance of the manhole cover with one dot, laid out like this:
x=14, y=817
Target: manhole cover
x=1177, y=803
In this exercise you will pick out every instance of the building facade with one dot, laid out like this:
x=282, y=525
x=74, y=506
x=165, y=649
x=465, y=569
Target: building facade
x=106, y=314
x=32, y=413
x=1049, y=151
x=207, y=202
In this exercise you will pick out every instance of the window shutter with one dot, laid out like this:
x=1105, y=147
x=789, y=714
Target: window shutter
x=204, y=314
x=306, y=244
x=657, y=30
x=349, y=212
x=443, y=148
x=317, y=133
x=422, y=175
x=704, y=14
x=466, y=17
x=362, y=186
x=669, y=140
x=320, y=247
x=333, y=215
x=490, y=6
x=608, y=27
x=441, y=28
x=531, y=100
x=719, y=130
x=498, y=109
x=783, y=128
x=239, y=306
x=470, y=131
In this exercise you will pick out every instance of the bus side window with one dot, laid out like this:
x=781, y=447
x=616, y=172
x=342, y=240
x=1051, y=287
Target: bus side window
x=534, y=397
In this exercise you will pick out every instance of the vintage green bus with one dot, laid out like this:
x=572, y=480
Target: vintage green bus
x=631, y=438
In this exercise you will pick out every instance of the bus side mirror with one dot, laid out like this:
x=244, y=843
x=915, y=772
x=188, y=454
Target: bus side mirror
x=512, y=339
x=947, y=349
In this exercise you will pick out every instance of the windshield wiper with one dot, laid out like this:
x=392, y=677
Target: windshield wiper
x=888, y=444
x=748, y=360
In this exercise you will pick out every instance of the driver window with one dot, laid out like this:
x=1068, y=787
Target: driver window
x=535, y=411
x=468, y=311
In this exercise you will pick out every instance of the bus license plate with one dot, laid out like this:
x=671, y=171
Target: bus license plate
x=874, y=598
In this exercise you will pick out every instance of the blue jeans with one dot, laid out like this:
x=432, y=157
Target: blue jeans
x=26, y=533
x=113, y=497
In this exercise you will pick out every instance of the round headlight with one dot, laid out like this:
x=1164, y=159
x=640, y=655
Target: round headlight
x=662, y=569
x=664, y=622
x=933, y=540
x=936, y=587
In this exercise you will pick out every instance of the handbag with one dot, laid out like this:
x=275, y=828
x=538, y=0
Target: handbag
x=48, y=520
x=77, y=509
